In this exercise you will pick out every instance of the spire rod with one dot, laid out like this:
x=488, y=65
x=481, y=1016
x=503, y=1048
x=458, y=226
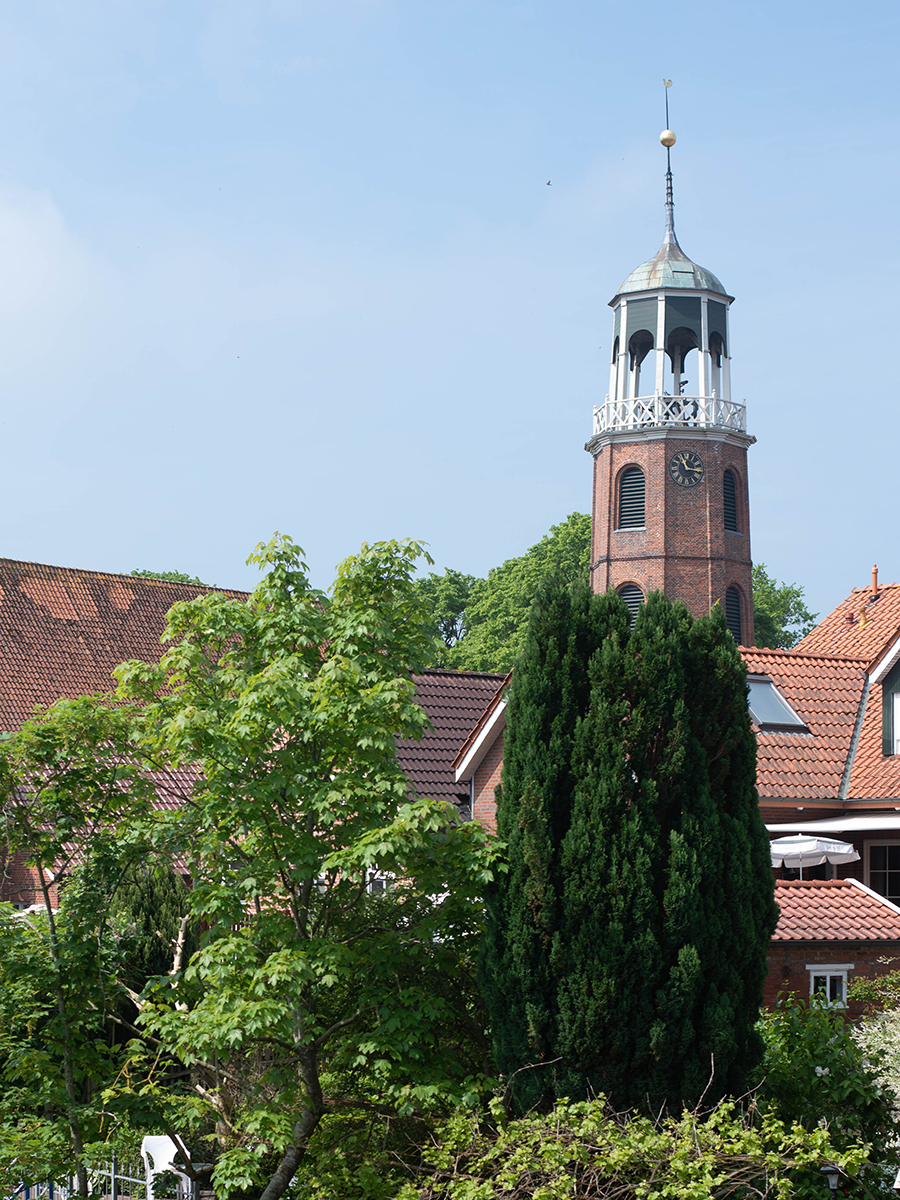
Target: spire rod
x=667, y=137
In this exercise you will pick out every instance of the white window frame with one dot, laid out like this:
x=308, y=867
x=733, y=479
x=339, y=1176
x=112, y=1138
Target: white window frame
x=867, y=847
x=379, y=882
x=828, y=972
x=895, y=721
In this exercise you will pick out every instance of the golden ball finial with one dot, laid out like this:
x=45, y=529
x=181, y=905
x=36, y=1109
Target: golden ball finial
x=667, y=137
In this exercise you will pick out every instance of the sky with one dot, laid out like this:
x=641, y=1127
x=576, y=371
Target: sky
x=294, y=265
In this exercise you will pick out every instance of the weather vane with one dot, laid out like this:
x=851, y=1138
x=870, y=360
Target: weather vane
x=667, y=137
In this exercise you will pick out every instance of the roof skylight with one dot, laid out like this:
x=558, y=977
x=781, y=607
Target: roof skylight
x=770, y=710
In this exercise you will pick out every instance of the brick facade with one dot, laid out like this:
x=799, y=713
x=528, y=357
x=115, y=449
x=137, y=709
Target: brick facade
x=788, y=963
x=487, y=776
x=684, y=548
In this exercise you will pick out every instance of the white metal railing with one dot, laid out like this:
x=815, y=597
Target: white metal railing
x=113, y=1180
x=696, y=412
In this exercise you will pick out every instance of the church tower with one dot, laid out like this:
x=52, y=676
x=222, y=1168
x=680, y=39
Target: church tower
x=671, y=508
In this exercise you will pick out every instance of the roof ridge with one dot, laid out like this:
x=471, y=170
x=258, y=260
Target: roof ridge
x=460, y=674
x=209, y=587
x=779, y=653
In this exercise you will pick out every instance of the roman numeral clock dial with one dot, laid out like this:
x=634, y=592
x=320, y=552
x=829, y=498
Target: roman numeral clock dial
x=686, y=468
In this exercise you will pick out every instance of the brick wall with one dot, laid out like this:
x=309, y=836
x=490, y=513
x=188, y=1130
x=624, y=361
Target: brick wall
x=487, y=776
x=684, y=549
x=19, y=884
x=788, y=962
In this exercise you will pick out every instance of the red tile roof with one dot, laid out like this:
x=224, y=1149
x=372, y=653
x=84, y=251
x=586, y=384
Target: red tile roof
x=825, y=691
x=454, y=700
x=862, y=626
x=833, y=910
x=63, y=630
x=874, y=775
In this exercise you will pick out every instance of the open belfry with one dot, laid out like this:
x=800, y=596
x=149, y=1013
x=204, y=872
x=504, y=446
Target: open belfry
x=670, y=498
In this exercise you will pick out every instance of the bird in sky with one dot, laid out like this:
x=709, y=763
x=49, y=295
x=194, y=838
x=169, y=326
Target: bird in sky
x=548, y=183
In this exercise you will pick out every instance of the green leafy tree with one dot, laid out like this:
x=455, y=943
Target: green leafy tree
x=313, y=992
x=496, y=609
x=780, y=616
x=172, y=576
x=68, y=780
x=662, y=905
x=446, y=597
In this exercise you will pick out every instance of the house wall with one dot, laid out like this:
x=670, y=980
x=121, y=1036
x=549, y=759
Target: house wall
x=788, y=960
x=19, y=884
x=487, y=776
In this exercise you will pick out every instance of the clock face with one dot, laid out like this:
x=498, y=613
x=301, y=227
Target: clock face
x=686, y=468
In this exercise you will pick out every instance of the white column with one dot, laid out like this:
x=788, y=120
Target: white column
x=660, y=343
x=726, y=357
x=703, y=363
x=622, y=365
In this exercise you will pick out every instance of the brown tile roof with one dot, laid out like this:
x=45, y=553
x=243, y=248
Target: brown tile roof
x=62, y=630
x=825, y=691
x=454, y=700
x=833, y=910
x=862, y=626
x=481, y=722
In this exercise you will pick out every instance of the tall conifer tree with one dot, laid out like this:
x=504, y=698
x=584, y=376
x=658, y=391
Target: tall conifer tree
x=549, y=695
x=663, y=896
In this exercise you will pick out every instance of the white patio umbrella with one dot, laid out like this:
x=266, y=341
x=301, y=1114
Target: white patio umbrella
x=801, y=850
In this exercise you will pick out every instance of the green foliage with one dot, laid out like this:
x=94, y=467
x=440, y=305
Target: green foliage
x=171, y=576
x=550, y=693
x=308, y=992
x=780, y=617
x=150, y=911
x=585, y=1150
x=816, y=1074
x=639, y=902
x=446, y=597
x=493, y=613
x=68, y=782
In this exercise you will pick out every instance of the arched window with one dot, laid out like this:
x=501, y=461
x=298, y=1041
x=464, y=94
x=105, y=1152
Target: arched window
x=633, y=597
x=730, y=491
x=631, y=498
x=639, y=346
x=733, y=613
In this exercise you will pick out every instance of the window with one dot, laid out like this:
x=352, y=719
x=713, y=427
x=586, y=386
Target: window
x=890, y=719
x=631, y=499
x=633, y=597
x=733, y=613
x=378, y=882
x=730, y=490
x=829, y=981
x=770, y=710
x=884, y=869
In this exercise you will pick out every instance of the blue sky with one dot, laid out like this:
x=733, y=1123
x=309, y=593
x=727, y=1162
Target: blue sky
x=288, y=265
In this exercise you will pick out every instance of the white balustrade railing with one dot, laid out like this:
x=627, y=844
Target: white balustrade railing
x=696, y=412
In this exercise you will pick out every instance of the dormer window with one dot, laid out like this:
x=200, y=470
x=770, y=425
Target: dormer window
x=770, y=710
x=890, y=712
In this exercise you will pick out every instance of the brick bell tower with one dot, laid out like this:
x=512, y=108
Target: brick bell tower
x=671, y=508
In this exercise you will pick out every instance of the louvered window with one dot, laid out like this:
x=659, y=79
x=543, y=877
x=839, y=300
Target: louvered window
x=631, y=499
x=633, y=597
x=733, y=613
x=730, y=490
